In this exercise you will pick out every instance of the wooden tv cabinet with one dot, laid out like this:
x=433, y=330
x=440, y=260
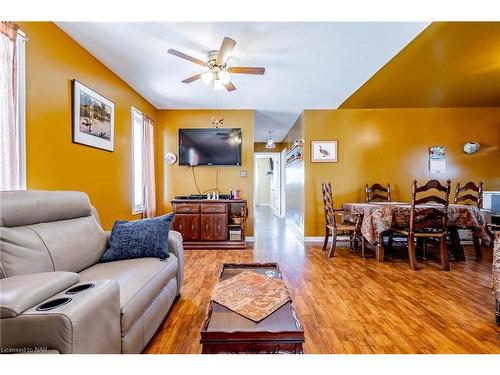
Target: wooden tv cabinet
x=205, y=223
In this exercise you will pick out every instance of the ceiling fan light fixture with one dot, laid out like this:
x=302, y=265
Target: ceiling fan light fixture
x=270, y=143
x=225, y=76
x=207, y=77
x=218, y=85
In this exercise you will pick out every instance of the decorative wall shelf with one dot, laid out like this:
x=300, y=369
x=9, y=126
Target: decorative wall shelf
x=295, y=154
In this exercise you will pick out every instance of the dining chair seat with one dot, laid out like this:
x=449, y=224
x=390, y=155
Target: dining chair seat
x=335, y=222
x=344, y=227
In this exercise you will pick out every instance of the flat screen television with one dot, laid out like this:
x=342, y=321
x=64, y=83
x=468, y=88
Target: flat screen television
x=210, y=146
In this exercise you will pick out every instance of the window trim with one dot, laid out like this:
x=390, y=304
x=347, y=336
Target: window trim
x=21, y=106
x=135, y=208
x=20, y=114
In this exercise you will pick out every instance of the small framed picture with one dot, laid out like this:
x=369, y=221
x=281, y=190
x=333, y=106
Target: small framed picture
x=93, y=118
x=437, y=152
x=323, y=151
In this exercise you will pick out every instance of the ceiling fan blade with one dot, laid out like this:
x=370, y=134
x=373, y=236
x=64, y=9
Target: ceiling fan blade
x=246, y=70
x=226, y=48
x=186, y=57
x=229, y=86
x=192, y=79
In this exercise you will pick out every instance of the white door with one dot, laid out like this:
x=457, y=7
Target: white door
x=276, y=185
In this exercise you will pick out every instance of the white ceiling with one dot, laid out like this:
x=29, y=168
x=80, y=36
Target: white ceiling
x=308, y=65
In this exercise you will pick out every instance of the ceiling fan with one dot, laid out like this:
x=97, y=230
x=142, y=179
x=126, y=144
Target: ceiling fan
x=218, y=74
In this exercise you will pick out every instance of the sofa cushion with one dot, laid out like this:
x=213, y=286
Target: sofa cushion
x=140, y=280
x=43, y=231
x=67, y=245
x=139, y=239
x=26, y=207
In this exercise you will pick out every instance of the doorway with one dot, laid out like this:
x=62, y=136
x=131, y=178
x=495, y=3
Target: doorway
x=268, y=184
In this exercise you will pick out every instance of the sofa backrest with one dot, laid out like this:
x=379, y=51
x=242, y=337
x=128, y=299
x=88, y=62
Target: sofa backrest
x=43, y=231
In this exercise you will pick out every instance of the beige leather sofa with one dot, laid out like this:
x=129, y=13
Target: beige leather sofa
x=50, y=243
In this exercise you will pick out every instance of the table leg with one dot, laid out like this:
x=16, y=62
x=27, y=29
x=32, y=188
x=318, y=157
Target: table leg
x=456, y=248
x=379, y=250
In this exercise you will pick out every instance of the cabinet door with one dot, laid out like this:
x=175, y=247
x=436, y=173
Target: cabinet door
x=192, y=227
x=207, y=227
x=220, y=227
x=179, y=224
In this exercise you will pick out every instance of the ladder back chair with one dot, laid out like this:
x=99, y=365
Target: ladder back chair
x=470, y=195
x=334, y=227
x=378, y=193
x=428, y=219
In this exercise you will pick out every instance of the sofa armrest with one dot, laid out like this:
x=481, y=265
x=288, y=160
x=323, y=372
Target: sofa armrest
x=176, y=247
x=87, y=321
x=19, y=293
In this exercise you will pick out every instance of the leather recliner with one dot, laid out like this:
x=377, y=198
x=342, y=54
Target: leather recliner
x=50, y=243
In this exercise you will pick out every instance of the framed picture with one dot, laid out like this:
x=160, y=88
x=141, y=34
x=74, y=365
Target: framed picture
x=93, y=118
x=324, y=151
x=437, y=152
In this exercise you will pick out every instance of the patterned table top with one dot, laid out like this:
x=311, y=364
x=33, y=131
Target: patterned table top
x=378, y=217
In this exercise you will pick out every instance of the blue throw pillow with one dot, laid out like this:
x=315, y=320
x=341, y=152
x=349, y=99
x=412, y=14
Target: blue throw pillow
x=139, y=239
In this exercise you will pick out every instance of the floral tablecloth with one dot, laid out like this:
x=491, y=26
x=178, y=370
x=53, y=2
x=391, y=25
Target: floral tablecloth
x=380, y=216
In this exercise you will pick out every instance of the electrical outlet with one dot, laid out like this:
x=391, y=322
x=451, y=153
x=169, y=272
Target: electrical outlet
x=243, y=173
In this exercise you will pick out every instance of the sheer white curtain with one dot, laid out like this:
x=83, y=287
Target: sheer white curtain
x=9, y=144
x=149, y=169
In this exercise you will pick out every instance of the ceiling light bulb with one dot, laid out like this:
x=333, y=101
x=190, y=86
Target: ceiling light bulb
x=225, y=76
x=270, y=143
x=207, y=77
x=218, y=85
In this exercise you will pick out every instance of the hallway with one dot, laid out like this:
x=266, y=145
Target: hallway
x=272, y=235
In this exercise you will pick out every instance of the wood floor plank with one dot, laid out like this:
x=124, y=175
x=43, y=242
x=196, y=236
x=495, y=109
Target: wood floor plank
x=348, y=304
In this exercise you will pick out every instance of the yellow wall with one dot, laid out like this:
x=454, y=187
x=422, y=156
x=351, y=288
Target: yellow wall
x=450, y=64
x=53, y=161
x=391, y=145
x=175, y=180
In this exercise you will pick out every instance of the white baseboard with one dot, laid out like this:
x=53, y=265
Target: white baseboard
x=322, y=238
x=313, y=238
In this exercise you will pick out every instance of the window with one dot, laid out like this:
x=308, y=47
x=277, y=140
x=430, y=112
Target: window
x=137, y=161
x=12, y=107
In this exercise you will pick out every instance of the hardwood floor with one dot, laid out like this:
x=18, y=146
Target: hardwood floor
x=348, y=304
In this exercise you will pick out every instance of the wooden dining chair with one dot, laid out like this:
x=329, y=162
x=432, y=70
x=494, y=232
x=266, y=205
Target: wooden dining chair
x=342, y=226
x=378, y=193
x=427, y=221
x=470, y=195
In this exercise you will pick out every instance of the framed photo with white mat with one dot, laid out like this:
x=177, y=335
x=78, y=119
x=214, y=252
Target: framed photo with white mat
x=324, y=151
x=93, y=118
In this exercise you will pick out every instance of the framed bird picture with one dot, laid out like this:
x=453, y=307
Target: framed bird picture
x=324, y=151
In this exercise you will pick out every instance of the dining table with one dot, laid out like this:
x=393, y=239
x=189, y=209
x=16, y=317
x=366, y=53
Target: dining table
x=379, y=217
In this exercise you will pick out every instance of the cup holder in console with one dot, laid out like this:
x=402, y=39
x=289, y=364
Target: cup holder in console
x=53, y=304
x=79, y=288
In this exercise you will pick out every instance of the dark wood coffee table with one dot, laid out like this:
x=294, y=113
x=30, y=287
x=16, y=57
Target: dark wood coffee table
x=225, y=331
